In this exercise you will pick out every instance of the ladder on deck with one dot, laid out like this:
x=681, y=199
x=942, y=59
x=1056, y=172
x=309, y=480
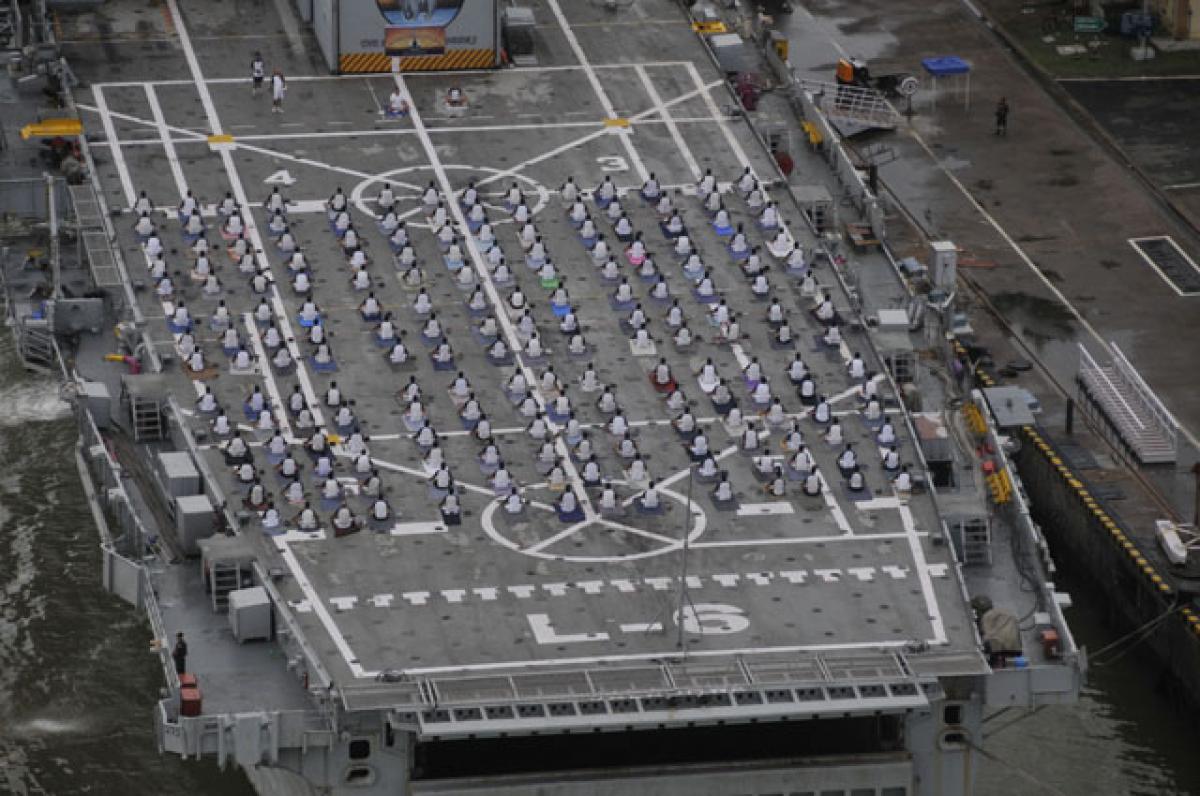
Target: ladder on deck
x=976, y=537
x=852, y=109
x=226, y=577
x=35, y=345
x=147, y=416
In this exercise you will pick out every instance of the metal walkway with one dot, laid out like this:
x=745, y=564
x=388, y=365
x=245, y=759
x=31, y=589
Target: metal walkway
x=1128, y=407
x=93, y=236
x=852, y=109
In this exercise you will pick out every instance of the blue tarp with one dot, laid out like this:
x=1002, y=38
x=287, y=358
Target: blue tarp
x=945, y=65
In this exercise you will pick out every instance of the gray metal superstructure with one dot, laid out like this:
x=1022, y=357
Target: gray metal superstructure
x=777, y=642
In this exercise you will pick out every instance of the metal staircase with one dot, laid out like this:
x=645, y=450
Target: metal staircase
x=93, y=237
x=1128, y=409
x=852, y=109
x=35, y=345
x=147, y=416
x=226, y=577
x=975, y=541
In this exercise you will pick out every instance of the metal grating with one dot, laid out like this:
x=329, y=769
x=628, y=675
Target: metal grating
x=1172, y=263
x=101, y=260
x=88, y=212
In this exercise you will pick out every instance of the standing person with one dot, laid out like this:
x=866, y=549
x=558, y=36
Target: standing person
x=278, y=88
x=258, y=71
x=179, y=653
x=1002, y=117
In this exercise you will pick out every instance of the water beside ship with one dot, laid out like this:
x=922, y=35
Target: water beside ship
x=77, y=683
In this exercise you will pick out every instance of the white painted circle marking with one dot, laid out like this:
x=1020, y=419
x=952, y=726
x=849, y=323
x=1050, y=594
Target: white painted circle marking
x=356, y=195
x=699, y=525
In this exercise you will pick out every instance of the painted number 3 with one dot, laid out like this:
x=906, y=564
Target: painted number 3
x=712, y=619
x=613, y=163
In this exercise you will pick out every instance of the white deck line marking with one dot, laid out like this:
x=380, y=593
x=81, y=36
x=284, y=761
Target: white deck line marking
x=658, y=537
x=287, y=18
x=277, y=404
x=884, y=502
x=922, y=566
x=272, y=153
x=110, y=132
x=671, y=654
x=189, y=136
x=716, y=114
x=314, y=599
x=285, y=326
x=424, y=476
x=835, y=508
x=638, y=117
x=558, y=537
x=404, y=131
x=239, y=193
x=681, y=145
x=866, y=537
x=168, y=145
x=374, y=97
x=417, y=528
x=765, y=509
x=598, y=88
x=493, y=295
x=682, y=474
x=1181, y=186
x=381, y=75
x=1133, y=242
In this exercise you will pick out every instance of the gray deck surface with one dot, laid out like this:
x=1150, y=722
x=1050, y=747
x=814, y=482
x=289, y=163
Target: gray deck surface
x=824, y=573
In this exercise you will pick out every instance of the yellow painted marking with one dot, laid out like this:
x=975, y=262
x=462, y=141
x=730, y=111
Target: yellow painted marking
x=220, y=138
x=52, y=127
x=709, y=28
x=616, y=121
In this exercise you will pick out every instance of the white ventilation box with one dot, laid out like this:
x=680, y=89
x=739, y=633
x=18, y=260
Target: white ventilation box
x=250, y=614
x=893, y=319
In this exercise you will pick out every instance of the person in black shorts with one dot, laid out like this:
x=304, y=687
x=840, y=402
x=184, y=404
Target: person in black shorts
x=258, y=72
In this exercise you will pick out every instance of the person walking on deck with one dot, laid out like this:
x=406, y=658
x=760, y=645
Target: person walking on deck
x=1002, y=117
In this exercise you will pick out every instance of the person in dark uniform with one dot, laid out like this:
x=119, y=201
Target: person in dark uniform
x=1002, y=117
x=179, y=654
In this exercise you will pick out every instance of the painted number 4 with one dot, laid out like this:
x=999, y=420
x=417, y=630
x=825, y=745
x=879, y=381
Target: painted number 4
x=613, y=163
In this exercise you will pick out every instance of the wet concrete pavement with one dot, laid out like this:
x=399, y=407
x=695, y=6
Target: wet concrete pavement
x=1045, y=214
x=1155, y=122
